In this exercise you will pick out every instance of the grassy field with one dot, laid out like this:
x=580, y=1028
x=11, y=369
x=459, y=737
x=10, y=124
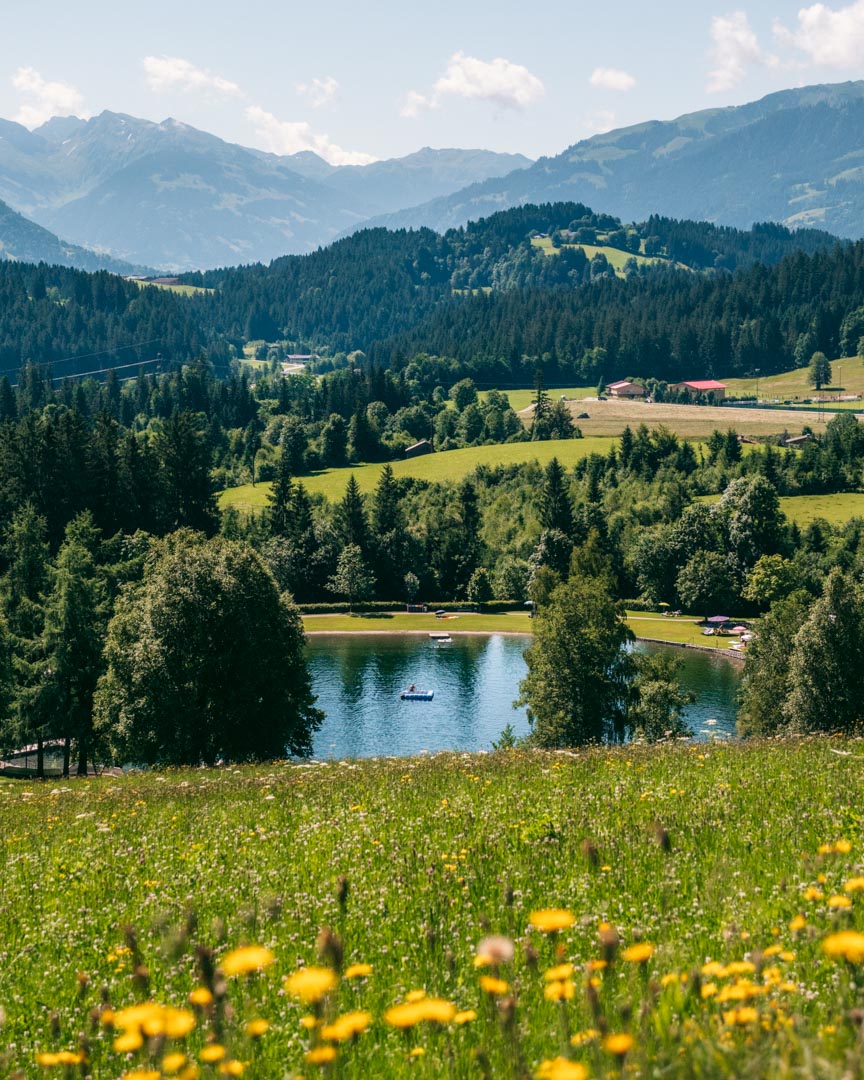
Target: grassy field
x=615, y=256
x=848, y=373
x=679, y=631
x=183, y=290
x=696, y=888
x=452, y=465
x=690, y=421
x=837, y=509
x=522, y=399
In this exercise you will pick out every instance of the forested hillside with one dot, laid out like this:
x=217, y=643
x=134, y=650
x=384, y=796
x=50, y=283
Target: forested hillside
x=550, y=284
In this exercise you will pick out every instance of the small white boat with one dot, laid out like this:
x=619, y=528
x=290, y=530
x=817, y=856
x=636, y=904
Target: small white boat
x=441, y=639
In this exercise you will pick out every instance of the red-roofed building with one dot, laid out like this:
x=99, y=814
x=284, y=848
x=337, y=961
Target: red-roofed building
x=709, y=387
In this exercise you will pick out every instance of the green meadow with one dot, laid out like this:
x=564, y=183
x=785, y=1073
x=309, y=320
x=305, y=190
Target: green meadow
x=677, y=911
x=452, y=465
x=615, y=256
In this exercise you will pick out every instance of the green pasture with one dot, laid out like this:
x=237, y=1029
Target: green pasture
x=695, y=887
x=616, y=257
x=450, y=465
x=521, y=399
x=181, y=290
x=846, y=373
x=836, y=509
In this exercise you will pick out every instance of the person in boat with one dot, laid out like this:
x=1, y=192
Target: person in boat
x=411, y=688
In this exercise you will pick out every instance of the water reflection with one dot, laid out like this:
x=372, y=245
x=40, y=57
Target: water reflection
x=358, y=679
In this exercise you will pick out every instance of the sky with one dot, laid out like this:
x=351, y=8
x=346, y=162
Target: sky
x=356, y=82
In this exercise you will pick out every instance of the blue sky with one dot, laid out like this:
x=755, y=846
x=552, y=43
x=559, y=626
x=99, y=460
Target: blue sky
x=356, y=82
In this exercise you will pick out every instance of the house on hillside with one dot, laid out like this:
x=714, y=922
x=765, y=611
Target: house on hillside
x=625, y=389
x=708, y=388
x=419, y=448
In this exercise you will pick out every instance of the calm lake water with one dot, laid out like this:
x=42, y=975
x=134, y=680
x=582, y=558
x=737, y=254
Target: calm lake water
x=358, y=679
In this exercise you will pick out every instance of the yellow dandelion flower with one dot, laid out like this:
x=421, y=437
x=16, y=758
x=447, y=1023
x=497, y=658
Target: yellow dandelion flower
x=232, y=1068
x=347, y=1026
x=256, y=1028
x=191, y=1072
x=142, y=1074
x=560, y=991
x=417, y=1052
x=839, y=902
x=212, y=1053
x=740, y=1017
x=246, y=960
x=493, y=986
x=848, y=945
x=561, y=1069
x=465, y=1017
x=551, y=920
x=708, y=990
x=201, y=997
x=562, y=971
x=619, y=1045
x=437, y=1010
x=137, y=1015
x=787, y=955
x=842, y=847
x=321, y=1055
x=812, y=893
x=310, y=984
x=357, y=971
x=128, y=1042
x=712, y=968
x=415, y=995
x=172, y=1023
x=855, y=884
x=597, y=965
x=798, y=923
x=308, y=1022
x=47, y=1059
x=173, y=1063
x=740, y=967
x=773, y=950
x=639, y=953
x=583, y=1037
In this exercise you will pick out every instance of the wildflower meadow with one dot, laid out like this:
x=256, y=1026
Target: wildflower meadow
x=678, y=911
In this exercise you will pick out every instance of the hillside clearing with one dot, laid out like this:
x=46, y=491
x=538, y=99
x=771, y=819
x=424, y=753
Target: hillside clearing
x=450, y=465
x=615, y=256
x=846, y=373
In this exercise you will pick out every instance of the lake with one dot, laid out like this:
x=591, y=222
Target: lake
x=358, y=679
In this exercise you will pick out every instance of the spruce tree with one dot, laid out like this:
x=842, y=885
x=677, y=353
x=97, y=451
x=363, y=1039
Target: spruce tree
x=281, y=497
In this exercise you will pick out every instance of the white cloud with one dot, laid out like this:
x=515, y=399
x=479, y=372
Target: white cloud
x=735, y=48
x=827, y=36
x=290, y=137
x=43, y=99
x=600, y=122
x=319, y=92
x=498, y=81
x=166, y=73
x=612, y=79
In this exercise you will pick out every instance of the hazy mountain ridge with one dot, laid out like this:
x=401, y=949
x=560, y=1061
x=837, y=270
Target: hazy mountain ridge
x=175, y=197
x=24, y=241
x=796, y=157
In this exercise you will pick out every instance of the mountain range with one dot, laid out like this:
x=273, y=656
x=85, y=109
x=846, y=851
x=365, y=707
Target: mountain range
x=170, y=196
x=794, y=157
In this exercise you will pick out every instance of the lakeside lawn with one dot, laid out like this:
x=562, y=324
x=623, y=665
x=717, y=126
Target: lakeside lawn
x=682, y=630
x=695, y=886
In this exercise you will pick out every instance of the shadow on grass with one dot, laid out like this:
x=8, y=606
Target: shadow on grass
x=371, y=614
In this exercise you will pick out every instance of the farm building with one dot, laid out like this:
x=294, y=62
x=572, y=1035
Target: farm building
x=709, y=387
x=625, y=389
x=419, y=448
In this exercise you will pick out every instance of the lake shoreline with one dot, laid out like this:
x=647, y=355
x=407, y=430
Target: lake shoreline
x=718, y=650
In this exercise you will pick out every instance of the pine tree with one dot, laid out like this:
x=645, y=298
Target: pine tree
x=555, y=510
x=351, y=517
x=542, y=409
x=281, y=497
x=76, y=617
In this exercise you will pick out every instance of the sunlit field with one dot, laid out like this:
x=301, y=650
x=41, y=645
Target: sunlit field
x=687, y=911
